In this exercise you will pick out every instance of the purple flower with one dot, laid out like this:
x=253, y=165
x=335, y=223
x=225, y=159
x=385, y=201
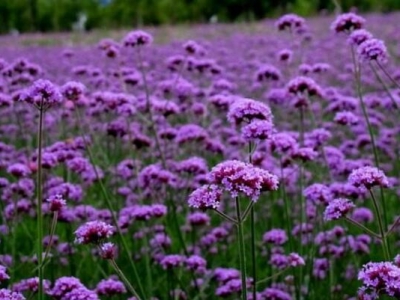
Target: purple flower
x=362, y=215
x=247, y=110
x=93, y=232
x=275, y=236
x=42, y=94
x=19, y=170
x=172, y=261
x=238, y=177
x=346, y=118
x=381, y=278
x=137, y=38
x=295, y=260
x=318, y=194
x=198, y=219
x=10, y=295
x=358, y=37
x=337, y=209
x=196, y=263
x=80, y=293
x=373, y=49
x=56, y=203
x=73, y=90
x=283, y=142
x=347, y=22
x=268, y=73
x=208, y=196
x=110, y=287
x=290, y=21
x=368, y=177
x=257, y=130
x=108, y=251
x=304, y=85
x=3, y=274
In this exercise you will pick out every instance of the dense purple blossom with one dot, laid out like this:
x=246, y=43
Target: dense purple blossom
x=337, y=209
x=347, y=22
x=368, y=177
x=93, y=232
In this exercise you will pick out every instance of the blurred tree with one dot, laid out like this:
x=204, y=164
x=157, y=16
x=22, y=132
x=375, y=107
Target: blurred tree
x=47, y=15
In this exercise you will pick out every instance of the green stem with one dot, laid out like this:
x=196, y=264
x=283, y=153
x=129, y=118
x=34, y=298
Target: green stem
x=384, y=86
x=124, y=279
x=395, y=224
x=371, y=133
x=52, y=231
x=111, y=208
x=388, y=75
x=226, y=216
x=247, y=210
x=39, y=189
x=253, y=239
x=381, y=229
x=362, y=227
x=242, y=257
x=272, y=276
x=148, y=105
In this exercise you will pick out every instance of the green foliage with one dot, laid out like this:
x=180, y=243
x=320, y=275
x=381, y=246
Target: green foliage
x=59, y=15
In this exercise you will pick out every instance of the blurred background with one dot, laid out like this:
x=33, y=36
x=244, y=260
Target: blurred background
x=79, y=15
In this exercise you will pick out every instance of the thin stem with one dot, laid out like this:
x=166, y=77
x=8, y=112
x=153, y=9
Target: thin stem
x=253, y=238
x=39, y=189
x=384, y=85
x=388, y=75
x=52, y=231
x=381, y=229
x=124, y=279
x=247, y=210
x=242, y=257
x=362, y=227
x=272, y=276
x=393, y=226
x=148, y=106
x=111, y=208
x=357, y=74
x=226, y=216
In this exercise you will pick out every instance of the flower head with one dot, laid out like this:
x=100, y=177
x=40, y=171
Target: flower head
x=337, y=209
x=347, y=22
x=93, y=232
x=373, y=49
x=137, y=38
x=248, y=110
x=207, y=196
x=56, y=202
x=368, y=177
x=42, y=94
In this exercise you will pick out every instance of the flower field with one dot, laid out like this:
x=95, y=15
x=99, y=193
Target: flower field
x=223, y=162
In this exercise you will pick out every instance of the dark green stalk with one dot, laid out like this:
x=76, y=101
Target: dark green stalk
x=253, y=241
x=371, y=133
x=111, y=208
x=242, y=256
x=124, y=279
x=39, y=212
x=381, y=229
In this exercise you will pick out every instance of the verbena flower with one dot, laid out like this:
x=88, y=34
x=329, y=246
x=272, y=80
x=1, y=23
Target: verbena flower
x=368, y=177
x=208, y=196
x=347, y=22
x=238, y=177
x=137, y=38
x=373, y=50
x=247, y=110
x=93, y=232
x=381, y=278
x=110, y=287
x=337, y=209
